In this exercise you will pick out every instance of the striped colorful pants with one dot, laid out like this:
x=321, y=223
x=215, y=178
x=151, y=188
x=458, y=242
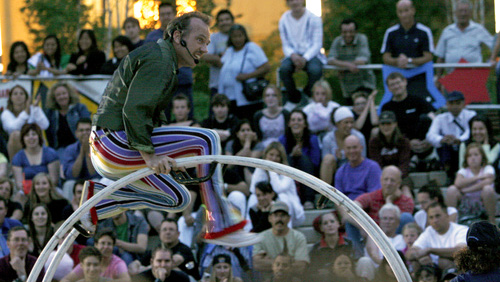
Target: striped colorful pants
x=113, y=159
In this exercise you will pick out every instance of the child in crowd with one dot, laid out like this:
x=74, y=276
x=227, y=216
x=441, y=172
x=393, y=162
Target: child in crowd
x=180, y=109
x=222, y=270
x=320, y=109
x=259, y=213
x=222, y=121
x=365, y=112
x=474, y=184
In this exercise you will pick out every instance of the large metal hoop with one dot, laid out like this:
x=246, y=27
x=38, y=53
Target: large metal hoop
x=371, y=228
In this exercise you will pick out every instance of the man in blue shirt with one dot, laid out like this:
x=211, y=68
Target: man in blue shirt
x=6, y=223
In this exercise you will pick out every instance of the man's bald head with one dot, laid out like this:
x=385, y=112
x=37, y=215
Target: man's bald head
x=390, y=180
x=352, y=140
x=353, y=150
x=406, y=13
x=405, y=3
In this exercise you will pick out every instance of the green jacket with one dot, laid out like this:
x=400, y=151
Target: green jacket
x=138, y=93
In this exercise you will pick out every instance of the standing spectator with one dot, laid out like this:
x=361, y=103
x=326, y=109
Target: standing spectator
x=243, y=61
x=34, y=158
x=162, y=268
x=167, y=13
x=389, y=146
x=133, y=32
x=333, y=151
x=63, y=110
x=319, y=111
x=40, y=228
x=6, y=223
x=121, y=47
x=408, y=43
x=480, y=260
x=50, y=61
x=473, y=182
x=449, y=129
x=18, y=56
x=217, y=47
x=222, y=120
x=7, y=190
x=348, y=51
x=44, y=191
x=222, y=270
x=89, y=59
x=270, y=123
x=301, y=35
x=462, y=39
x=481, y=131
x=303, y=152
x=365, y=112
x=91, y=260
x=413, y=113
x=20, y=111
x=18, y=264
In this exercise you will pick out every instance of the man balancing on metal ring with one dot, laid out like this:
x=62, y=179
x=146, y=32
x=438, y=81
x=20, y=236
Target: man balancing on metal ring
x=128, y=135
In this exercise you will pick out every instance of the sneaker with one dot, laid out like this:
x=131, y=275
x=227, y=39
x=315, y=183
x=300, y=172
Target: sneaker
x=236, y=239
x=88, y=221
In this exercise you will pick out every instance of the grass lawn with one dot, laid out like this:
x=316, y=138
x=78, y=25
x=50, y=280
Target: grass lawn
x=201, y=104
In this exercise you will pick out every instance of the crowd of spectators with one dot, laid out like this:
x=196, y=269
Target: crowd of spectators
x=45, y=159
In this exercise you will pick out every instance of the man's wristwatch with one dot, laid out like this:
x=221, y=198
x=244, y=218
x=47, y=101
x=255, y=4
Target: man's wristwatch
x=410, y=61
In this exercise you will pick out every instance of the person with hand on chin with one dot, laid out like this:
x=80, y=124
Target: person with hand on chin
x=162, y=265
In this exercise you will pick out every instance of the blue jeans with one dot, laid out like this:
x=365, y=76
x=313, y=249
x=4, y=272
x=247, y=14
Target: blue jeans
x=314, y=70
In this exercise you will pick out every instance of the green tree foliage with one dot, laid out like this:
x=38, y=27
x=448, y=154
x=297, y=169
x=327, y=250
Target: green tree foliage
x=60, y=17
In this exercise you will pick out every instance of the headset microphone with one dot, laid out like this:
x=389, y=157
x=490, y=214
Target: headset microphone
x=183, y=44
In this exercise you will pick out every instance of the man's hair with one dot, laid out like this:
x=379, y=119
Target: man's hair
x=5, y=201
x=106, y=231
x=11, y=184
x=14, y=229
x=349, y=21
x=222, y=12
x=131, y=20
x=171, y=220
x=84, y=120
x=89, y=251
x=265, y=187
x=394, y=75
x=465, y=2
x=220, y=100
x=390, y=207
x=123, y=40
x=437, y=204
x=183, y=24
x=181, y=97
x=432, y=190
x=160, y=249
x=78, y=182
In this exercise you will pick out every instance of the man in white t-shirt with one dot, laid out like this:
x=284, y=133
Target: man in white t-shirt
x=427, y=195
x=439, y=241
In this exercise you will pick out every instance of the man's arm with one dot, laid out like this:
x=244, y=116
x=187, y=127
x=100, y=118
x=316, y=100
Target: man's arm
x=445, y=252
x=262, y=262
x=427, y=57
x=433, y=135
x=138, y=248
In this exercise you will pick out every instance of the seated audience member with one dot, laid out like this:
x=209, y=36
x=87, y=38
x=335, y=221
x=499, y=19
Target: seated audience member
x=259, y=212
x=132, y=234
x=64, y=110
x=365, y=112
x=474, y=184
x=182, y=256
x=349, y=50
x=282, y=269
x=270, y=123
x=241, y=259
x=428, y=273
x=283, y=186
x=359, y=175
x=222, y=269
x=319, y=110
x=76, y=163
x=40, y=228
x=222, y=121
x=426, y=160
x=162, y=268
x=17, y=265
x=112, y=266
x=389, y=221
x=481, y=131
x=34, y=158
x=89, y=59
x=480, y=260
x=449, y=129
x=303, y=151
x=180, y=109
x=332, y=241
x=50, y=61
x=333, y=150
x=18, y=59
x=426, y=195
x=343, y=268
x=6, y=223
x=45, y=192
x=121, y=47
x=91, y=260
x=73, y=206
x=14, y=208
x=301, y=35
x=441, y=239
x=4, y=164
x=410, y=233
x=413, y=113
x=20, y=111
x=277, y=239
x=132, y=30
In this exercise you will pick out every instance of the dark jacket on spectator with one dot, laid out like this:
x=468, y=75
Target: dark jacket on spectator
x=75, y=112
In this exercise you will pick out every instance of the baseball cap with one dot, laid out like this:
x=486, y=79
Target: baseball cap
x=221, y=258
x=455, y=96
x=483, y=234
x=387, y=117
x=279, y=206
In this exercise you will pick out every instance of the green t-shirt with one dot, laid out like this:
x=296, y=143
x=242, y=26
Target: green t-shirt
x=122, y=232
